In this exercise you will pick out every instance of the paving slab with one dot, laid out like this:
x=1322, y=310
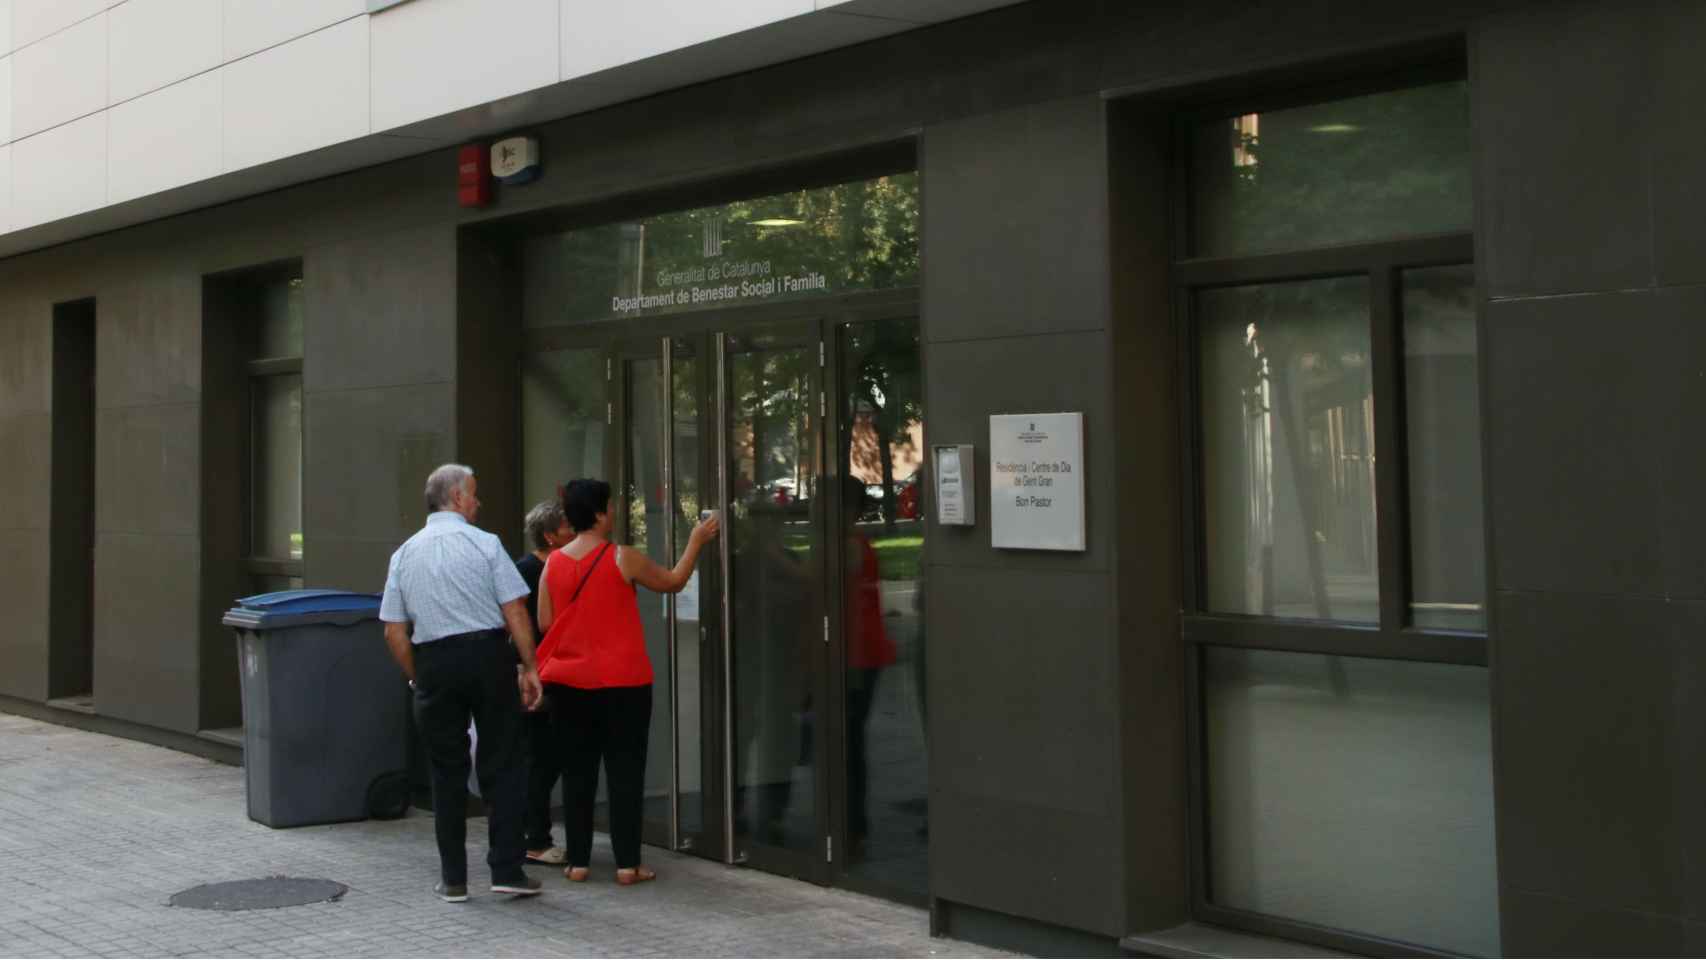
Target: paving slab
x=97, y=833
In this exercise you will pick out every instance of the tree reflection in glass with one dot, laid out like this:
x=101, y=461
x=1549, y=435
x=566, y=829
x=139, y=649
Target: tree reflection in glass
x=772, y=481
x=1389, y=164
x=1288, y=450
x=788, y=246
x=882, y=543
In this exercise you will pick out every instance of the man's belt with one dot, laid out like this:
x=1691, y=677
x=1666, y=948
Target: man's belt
x=496, y=633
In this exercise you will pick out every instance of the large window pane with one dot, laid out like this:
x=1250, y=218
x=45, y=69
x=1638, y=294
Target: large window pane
x=281, y=320
x=1373, y=167
x=1288, y=450
x=1448, y=579
x=1353, y=793
x=276, y=527
x=563, y=423
x=562, y=420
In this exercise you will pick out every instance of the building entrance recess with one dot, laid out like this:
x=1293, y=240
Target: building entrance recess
x=789, y=729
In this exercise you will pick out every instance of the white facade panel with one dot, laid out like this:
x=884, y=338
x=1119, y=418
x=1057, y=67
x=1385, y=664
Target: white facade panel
x=60, y=78
x=781, y=41
x=599, y=35
x=6, y=100
x=6, y=188
x=431, y=57
x=178, y=92
x=305, y=94
x=34, y=19
x=165, y=139
x=60, y=172
x=252, y=25
x=152, y=43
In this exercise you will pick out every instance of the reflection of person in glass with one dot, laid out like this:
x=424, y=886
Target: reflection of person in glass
x=870, y=650
x=772, y=691
x=597, y=674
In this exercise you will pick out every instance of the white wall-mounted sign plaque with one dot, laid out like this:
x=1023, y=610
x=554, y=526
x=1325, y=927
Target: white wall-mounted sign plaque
x=1036, y=481
x=956, y=501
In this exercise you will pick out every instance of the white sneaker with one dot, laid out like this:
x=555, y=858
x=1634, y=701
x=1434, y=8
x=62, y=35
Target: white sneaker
x=554, y=857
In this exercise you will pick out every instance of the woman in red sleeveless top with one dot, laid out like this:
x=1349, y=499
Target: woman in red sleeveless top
x=597, y=676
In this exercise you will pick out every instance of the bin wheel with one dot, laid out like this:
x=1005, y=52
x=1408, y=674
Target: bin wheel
x=388, y=796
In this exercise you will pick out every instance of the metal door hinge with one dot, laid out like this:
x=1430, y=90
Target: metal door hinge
x=609, y=369
x=822, y=407
x=826, y=629
x=610, y=413
x=820, y=360
x=829, y=849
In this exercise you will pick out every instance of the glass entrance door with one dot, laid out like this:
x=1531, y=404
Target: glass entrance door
x=777, y=630
x=733, y=422
x=696, y=682
x=789, y=727
x=878, y=530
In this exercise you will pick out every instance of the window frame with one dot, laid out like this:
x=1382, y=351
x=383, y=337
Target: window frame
x=1394, y=637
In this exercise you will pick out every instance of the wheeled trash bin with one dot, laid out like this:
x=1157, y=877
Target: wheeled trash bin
x=326, y=722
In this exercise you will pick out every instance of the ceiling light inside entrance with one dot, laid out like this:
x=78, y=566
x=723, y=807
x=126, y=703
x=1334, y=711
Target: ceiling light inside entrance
x=1335, y=128
x=777, y=222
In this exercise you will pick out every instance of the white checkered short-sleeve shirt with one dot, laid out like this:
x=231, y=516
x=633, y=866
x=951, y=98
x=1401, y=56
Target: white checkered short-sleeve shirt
x=450, y=578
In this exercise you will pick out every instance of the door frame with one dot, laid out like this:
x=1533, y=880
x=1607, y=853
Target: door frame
x=711, y=840
x=800, y=333
x=840, y=415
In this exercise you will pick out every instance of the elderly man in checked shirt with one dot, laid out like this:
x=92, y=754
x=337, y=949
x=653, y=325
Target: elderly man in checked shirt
x=451, y=592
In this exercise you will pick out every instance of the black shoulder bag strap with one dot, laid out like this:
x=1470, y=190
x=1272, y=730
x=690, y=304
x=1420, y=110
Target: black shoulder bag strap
x=588, y=575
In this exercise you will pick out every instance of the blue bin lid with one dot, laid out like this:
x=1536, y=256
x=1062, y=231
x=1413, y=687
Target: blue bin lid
x=292, y=608
x=310, y=601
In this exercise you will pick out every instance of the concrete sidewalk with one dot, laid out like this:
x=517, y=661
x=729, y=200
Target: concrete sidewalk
x=96, y=833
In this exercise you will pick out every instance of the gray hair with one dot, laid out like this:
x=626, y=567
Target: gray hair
x=545, y=517
x=442, y=484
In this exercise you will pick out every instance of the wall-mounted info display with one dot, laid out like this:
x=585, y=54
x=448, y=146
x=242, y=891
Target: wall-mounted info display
x=844, y=238
x=956, y=501
x=1036, y=484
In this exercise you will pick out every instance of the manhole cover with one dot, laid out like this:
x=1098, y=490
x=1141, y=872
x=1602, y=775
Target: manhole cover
x=264, y=894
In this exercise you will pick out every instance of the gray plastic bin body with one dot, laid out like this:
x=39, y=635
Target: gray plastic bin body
x=325, y=711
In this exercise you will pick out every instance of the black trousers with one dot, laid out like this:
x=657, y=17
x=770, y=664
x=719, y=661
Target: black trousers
x=612, y=725
x=544, y=767
x=472, y=676
x=861, y=695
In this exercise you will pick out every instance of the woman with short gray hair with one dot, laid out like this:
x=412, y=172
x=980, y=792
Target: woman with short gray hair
x=546, y=531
